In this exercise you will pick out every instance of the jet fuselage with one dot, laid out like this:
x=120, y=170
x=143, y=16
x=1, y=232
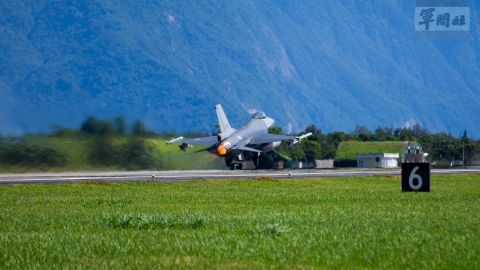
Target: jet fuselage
x=242, y=136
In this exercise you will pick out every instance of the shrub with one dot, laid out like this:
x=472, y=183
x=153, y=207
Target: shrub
x=137, y=155
x=22, y=152
x=133, y=155
x=95, y=126
x=102, y=152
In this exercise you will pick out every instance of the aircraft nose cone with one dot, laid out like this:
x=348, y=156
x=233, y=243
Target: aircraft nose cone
x=221, y=150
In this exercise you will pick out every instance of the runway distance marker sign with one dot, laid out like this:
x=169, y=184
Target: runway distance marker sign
x=416, y=177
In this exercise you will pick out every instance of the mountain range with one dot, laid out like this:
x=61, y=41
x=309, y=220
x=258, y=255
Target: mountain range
x=335, y=64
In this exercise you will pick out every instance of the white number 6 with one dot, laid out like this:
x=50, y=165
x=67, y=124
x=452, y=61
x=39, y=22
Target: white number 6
x=413, y=175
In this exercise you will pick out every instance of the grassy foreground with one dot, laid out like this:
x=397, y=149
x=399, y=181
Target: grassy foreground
x=361, y=222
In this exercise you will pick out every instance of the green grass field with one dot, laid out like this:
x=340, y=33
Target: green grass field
x=361, y=222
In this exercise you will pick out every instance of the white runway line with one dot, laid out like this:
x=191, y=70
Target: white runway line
x=185, y=175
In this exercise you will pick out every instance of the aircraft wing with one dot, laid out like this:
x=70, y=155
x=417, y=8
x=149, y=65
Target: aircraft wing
x=206, y=141
x=268, y=138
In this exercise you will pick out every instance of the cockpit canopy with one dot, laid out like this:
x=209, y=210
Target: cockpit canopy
x=258, y=115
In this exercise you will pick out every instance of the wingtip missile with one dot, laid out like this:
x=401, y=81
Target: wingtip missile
x=300, y=138
x=174, y=140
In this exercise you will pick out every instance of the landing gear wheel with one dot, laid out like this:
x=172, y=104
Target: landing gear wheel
x=235, y=166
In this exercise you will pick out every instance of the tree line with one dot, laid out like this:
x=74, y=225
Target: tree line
x=104, y=149
x=117, y=126
x=441, y=146
x=132, y=151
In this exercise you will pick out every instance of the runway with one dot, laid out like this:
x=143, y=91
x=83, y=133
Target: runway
x=186, y=175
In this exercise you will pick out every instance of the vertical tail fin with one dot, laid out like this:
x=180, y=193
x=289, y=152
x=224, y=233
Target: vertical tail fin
x=223, y=123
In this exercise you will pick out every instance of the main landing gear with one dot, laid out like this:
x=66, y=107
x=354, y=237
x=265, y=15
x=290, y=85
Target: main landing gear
x=242, y=161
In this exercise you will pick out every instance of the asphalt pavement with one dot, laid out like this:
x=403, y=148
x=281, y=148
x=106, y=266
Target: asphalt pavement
x=186, y=175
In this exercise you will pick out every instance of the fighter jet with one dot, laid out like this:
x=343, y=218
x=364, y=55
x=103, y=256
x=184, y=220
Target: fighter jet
x=241, y=147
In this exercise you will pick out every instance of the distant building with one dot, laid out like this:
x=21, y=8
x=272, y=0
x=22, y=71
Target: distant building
x=298, y=164
x=324, y=163
x=311, y=164
x=346, y=155
x=456, y=163
x=380, y=160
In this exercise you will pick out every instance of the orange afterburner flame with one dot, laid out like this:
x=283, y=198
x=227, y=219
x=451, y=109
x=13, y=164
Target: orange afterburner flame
x=221, y=150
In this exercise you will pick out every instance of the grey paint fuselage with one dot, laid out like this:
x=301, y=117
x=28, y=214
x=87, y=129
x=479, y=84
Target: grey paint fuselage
x=253, y=128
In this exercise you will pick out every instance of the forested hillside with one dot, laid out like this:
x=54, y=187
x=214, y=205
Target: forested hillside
x=336, y=64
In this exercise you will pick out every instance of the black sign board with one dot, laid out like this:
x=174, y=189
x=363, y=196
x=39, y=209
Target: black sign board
x=416, y=177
